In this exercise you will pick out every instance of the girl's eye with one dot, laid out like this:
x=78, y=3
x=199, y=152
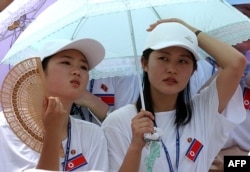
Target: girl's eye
x=183, y=61
x=84, y=68
x=163, y=58
x=66, y=62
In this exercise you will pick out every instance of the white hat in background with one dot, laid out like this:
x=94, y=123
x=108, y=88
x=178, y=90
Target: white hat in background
x=172, y=34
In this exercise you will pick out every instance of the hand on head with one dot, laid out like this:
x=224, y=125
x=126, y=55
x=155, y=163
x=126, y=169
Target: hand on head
x=153, y=25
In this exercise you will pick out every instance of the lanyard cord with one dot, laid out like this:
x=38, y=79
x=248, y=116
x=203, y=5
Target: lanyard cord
x=66, y=158
x=91, y=86
x=212, y=62
x=177, y=150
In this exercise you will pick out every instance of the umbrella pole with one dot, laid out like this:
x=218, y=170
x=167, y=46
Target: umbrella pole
x=140, y=84
x=136, y=59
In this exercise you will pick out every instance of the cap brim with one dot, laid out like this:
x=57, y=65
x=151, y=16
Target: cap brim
x=92, y=50
x=172, y=44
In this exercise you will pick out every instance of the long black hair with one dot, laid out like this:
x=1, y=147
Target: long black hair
x=184, y=105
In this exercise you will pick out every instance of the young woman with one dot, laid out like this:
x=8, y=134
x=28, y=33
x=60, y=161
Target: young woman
x=66, y=66
x=192, y=130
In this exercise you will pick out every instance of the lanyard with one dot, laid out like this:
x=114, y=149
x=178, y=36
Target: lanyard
x=66, y=158
x=91, y=86
x=177, y=151
x=212, y=62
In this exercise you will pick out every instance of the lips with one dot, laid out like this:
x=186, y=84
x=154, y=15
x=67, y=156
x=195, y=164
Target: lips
x=75, y=82
x=170, y=80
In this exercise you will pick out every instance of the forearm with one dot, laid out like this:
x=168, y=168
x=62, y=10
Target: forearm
x=95, y=104
x=99, y=108
x=49, y=159
x=232, y=65
x=225, y=55
x=131, y=161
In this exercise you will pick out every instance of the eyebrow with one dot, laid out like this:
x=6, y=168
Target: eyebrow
x=84, y=60
x=183, y=55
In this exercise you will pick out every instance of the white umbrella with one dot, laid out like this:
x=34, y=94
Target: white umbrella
x=13, y=13
x=120, y=25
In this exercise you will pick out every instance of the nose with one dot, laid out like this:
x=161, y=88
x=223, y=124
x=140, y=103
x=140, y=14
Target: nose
x=76, y=72
x=171, y=69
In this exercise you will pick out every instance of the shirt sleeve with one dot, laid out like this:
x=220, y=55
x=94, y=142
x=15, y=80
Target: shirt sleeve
x=215, y=127
x=16, y=156
x=118, y=135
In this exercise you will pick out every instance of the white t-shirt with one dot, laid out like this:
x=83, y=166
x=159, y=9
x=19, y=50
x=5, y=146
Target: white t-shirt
x=87, y=140
x=207, y=126
x=240, y=135
x=201, y=75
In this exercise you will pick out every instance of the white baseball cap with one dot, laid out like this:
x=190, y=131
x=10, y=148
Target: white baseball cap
x=92, y=49
x=172, y=34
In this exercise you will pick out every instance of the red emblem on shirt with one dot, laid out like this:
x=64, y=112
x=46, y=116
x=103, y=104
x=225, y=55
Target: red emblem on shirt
x=104, y=87
x=76, y=162
x=194, y=150
x=246, y=98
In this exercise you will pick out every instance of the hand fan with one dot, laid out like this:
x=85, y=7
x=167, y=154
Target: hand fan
x=21, y=98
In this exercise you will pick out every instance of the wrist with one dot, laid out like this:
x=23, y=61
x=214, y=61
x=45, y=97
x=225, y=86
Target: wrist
x=197, y=32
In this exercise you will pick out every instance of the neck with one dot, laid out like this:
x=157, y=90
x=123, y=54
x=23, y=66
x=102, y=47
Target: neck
x=163, y=106
x=162, y=103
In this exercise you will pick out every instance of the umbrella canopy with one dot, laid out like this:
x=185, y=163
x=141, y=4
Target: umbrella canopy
x=120, y=26
x=15, y=16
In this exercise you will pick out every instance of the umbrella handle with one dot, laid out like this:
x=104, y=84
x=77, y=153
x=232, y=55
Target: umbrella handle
x=141, y=91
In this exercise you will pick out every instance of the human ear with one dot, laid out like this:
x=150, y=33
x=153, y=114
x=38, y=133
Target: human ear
x=144, y=64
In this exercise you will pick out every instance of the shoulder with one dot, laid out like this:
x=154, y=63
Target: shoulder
x=85, y=126
x=121, y=115
x=126, y=111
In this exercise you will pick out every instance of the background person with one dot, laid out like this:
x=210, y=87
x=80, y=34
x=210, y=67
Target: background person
x=238, y=142
x=105, y=95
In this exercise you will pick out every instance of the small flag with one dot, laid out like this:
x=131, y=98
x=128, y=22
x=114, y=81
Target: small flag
x=104, y=87
x=246, y=98
x=76, y=162
x=194, y=150
x=107, y=98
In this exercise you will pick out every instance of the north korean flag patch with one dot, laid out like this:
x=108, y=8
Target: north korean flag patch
x=76, y=162
x=109, y=99
x=194, y=150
